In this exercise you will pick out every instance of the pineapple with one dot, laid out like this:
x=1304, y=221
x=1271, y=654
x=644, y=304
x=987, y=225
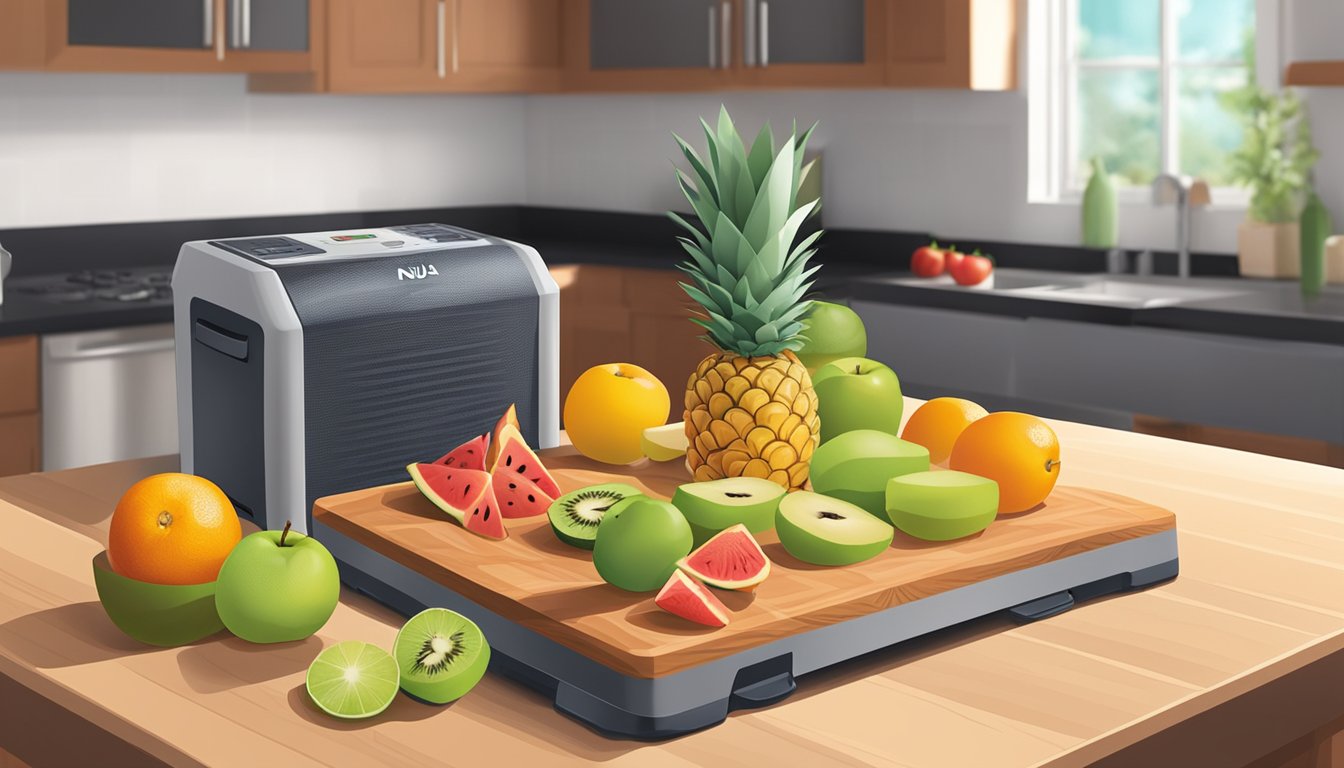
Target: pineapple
x=750, y=407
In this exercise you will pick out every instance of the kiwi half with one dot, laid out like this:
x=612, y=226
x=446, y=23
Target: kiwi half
x=441, y=655
x=576, y=515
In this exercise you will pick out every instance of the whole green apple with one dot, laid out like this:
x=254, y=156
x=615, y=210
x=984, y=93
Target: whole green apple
x=857, y=393
x=856, y=466
x=639, y=542
x=277, y=586
x=833, y=331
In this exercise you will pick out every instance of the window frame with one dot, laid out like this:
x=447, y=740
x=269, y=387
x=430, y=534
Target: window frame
x=1054, y=68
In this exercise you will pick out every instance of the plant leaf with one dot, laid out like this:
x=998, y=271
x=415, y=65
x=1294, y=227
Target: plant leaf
x=761, y=154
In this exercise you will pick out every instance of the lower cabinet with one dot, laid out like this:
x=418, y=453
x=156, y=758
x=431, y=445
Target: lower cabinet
x=1107, y=374
x=1259, y=385
x=20, y=422
x=627, y=315
x=20, y=444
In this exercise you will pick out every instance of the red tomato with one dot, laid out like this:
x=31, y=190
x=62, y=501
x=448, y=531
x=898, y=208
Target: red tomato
x=972, y=269
x=928, y=260
x=954, y=258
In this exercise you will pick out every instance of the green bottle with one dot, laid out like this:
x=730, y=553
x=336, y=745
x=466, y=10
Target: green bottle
x=1314, y=226
x=1100, y=224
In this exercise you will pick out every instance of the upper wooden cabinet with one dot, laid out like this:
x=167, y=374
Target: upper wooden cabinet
x=647, y=44
x=22, y=42
x=182, y=35
x=1314, y=73
x=965, y=44
x=430, y=46
x=803, y=43
x=444, y=45
x=708, y=44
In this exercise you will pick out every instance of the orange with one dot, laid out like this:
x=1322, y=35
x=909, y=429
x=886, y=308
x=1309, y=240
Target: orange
x=1018, y=451
x=937, y=424
x=172, y=529
x=608, y=409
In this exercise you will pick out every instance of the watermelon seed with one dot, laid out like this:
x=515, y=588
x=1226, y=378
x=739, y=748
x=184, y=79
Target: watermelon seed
x=512, y=486
x=530, y=498
x=522, y=468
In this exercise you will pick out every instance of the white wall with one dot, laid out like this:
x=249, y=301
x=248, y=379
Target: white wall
x=1314, y=30
x=77, y=149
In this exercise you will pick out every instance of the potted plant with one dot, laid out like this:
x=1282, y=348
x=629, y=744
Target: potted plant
x=1274, y=160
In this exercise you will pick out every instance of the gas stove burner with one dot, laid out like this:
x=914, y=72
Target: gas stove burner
x=69, y=296
x=117, y=286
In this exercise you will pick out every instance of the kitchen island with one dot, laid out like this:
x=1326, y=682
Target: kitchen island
x=1235, y=662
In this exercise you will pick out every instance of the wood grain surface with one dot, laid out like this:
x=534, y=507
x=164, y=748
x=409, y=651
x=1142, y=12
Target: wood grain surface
x=1260, y=599
x=537, y=581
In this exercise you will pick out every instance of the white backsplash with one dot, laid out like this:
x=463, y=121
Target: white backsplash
x=78, y=149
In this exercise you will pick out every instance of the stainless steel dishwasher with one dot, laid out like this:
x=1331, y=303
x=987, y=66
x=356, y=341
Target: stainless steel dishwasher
x=107, y=396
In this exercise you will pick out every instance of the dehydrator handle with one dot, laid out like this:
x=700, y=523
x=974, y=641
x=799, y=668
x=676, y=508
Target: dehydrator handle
x=222, y=341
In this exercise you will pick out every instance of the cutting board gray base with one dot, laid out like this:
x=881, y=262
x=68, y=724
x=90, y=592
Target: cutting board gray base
x=622, y=706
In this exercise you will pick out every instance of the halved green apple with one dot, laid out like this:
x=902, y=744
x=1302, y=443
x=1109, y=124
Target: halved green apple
x=822, y=530
x=943, y=505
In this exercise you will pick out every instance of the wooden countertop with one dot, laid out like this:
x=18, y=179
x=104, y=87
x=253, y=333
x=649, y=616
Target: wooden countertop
x=1220, y=666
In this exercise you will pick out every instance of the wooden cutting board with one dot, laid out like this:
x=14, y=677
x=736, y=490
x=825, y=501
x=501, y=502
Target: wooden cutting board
x=535, y=580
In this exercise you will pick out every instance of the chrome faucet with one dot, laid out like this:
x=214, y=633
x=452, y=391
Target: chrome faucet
x=1186, y=192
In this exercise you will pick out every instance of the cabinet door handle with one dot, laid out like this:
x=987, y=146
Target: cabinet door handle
x=247, y=23
x=235, y=22
x=713, y=37
x=748, y=32
x=439, y=52
x=209, y=25
x=765, y=33
x=457, y=22
x=726, y=39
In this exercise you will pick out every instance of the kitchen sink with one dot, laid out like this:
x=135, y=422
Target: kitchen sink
x=1107, y=290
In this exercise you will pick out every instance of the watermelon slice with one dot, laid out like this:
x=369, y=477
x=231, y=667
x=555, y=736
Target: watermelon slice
x=730, y=560
x=484, y=518
x=469, y=455
x=683, y=596
x=509, y=419
x=514, y=454
x=517, y=496
x=464, y=494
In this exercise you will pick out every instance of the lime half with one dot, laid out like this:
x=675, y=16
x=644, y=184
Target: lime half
x=353, y=679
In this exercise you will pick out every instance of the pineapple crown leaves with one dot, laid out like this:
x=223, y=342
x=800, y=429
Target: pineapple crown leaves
x=746, y=273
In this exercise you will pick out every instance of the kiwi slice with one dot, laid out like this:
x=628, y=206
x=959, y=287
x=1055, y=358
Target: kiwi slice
x=441, y=654
x=576, y=515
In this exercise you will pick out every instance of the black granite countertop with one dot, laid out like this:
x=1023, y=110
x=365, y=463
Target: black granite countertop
x=21, y=315
x=857, y=264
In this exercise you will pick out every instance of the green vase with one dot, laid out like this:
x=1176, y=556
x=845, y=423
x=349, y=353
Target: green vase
x=1100, y=225
x=1314, y=226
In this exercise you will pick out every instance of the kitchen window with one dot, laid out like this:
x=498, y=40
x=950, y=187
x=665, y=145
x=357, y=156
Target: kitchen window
x=1150, y=86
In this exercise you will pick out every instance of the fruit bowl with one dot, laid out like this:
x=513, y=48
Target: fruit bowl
x=156, y=614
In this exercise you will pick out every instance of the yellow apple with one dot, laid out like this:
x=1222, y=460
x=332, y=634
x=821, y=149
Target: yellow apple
x=608, y=409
